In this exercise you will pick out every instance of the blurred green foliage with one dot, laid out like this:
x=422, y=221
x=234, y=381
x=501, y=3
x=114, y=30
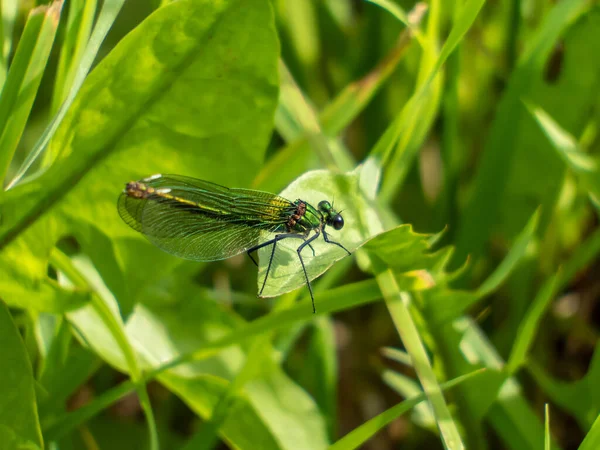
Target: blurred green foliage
x=461, y=140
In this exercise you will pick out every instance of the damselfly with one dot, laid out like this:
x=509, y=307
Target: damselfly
x=202, y=221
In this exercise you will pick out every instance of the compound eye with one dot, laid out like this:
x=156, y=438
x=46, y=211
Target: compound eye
x=324, y=206
x=338, y=222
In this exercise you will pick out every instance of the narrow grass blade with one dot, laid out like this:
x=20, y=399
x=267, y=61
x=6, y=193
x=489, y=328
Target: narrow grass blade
x=108, y=14
x=585, y=167
x=512, y=259
x=408, y=387
x=290, y=161
x=529, y=326
x=9, y=10
x=403, y=138
x=62, y=425
x=547, y=438
x=293, y=104
x=397, y=355
x=582, y=256
x=399, y=13
x=24, y=77
x=397, y=303
x=367, y=430
x=77, y=35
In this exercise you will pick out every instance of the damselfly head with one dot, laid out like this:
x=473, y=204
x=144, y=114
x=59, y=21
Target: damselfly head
x=332, y=218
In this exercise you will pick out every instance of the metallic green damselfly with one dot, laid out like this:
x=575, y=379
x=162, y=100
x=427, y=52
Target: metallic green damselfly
x=203, y=221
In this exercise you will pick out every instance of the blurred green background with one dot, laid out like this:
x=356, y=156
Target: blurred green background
x=475, y=122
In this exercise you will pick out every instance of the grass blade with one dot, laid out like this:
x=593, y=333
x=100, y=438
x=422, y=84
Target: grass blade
x=397, y=302
x=107, y=16
x=9, y=9
x=363, y=433
x=77, y=35
x=529, y=326
x=585, y=167
x=24, y=77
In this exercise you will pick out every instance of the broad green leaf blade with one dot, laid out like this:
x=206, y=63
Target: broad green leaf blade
x=19, y=426
x=164, y=333
x=363, y=433
x=24, y=77
x=334, y=300
x=24, y=281
x=286, y=272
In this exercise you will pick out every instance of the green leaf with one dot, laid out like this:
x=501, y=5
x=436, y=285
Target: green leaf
x=24, y=281
x=165, y=333
x=24, y=77
x=19, y=427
